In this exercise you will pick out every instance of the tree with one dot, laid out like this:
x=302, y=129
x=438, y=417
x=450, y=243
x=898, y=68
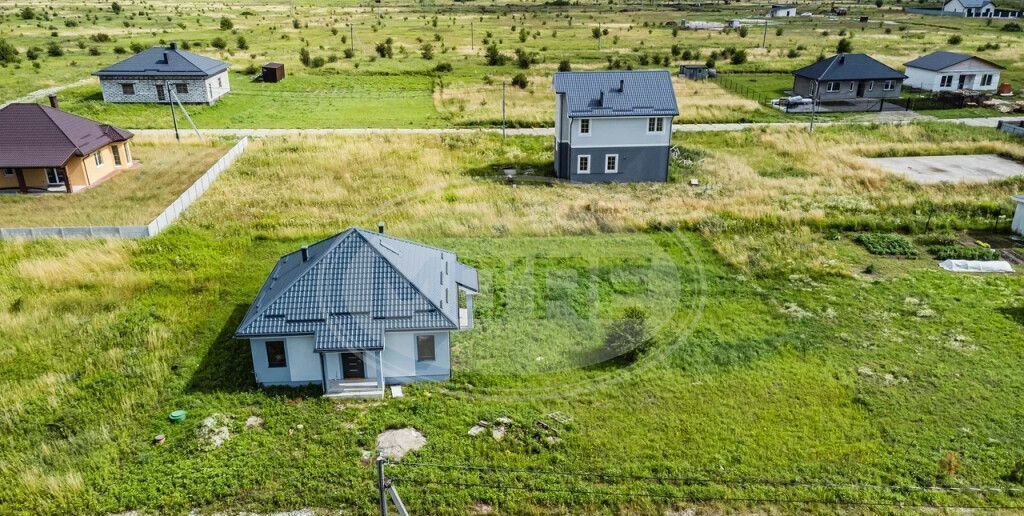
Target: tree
x=348, y=53
x=520, y=81
x=710, y=63
x=8, y=54
x=955, y=39
x=878, y=4
x=304, y=56
x=523, y=34
x=596, y=33
x=27, y=13
x=564, y=66
x=385, y=48
x=744, y=31
x=494, y=56
x=844, y=46
x=524, y=59
x=739, y=57
x=628, y=336
x=242, y=43
x=1011, y=27
x=226, y=23
x=219, y=43
x=138, y=47
x=116, y=7
x=427, y=51
x=54, y=50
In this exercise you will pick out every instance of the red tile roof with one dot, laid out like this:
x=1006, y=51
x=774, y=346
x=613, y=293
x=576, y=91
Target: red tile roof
x=32, y=135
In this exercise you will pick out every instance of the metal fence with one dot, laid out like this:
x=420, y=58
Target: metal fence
x=160, y=223
x=1015, y=128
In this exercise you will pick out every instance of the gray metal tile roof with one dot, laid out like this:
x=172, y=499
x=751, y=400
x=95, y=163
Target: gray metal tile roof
x=977, y=4
x=610, y=94
x=846, y=67
x=165, y=61
x=354, y=287
x=941, y=60
x=32, y=135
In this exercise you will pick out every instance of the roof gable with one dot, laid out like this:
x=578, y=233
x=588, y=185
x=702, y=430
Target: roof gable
x=610, y=94
x=33, y=135
x=353, y=287
x=159, y=61
x=941, y=60
x=842, y=67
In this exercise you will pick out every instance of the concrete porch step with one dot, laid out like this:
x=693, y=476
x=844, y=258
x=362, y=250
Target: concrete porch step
x=357, y=394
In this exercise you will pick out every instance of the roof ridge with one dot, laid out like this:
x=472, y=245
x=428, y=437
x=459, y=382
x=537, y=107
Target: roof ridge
x=182, y=53
x=46, y=112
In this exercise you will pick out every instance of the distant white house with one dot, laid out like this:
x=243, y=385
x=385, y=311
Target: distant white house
x=970, y=8
x=782, y=11
x=952, y=71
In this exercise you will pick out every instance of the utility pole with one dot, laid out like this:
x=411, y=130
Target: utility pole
x=170, y=104
x=472, y=45
x=352, y=36
x=381, y=488
x=814, y=104
x=764, y=40
x=503, y=109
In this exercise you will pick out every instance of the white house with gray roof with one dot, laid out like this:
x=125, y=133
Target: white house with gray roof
x=970, y=8
x=162, y=75
x=613, y=126
x=358, y=311
x=951, y=71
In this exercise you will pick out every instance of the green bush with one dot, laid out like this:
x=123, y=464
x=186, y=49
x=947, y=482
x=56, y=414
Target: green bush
x=1011, y=27
x=520, y=81
x=628, y=336
x=936, y=239
x=886, y=244
x=443, y=68
x=959, y=252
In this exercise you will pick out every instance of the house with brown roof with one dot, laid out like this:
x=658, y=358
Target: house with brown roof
x=44, y=149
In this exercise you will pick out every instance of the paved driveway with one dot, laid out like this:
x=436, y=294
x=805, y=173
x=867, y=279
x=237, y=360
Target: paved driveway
x=974, y=168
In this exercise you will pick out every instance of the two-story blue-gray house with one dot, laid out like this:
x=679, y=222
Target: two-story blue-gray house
x=358, y=311
x=613, y=126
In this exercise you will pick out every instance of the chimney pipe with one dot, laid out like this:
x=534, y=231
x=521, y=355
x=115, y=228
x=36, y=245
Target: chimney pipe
x=380, y=227
x=305, y=253
x=166, y=58
x=600, y=100
x=53, y=101
x=174, y=45
x=622, y=85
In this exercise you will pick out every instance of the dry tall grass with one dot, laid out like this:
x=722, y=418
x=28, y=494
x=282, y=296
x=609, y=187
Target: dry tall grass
x=707, y=102
x=134, y=196
x=475, y=104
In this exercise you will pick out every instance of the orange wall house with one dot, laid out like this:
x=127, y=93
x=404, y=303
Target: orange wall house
x=45, y=149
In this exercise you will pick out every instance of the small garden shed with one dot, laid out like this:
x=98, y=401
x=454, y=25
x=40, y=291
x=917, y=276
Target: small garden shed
x=273, y=72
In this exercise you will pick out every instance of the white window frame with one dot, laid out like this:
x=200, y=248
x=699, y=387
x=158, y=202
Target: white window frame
x=829, y=87
x=117, y=156
x=181, y=86
x=945, y=81
x=98, y=157
x=871, y=85
x=585, y=122
x=987, y=79
x=889, y=85
x=56, y=175
x=579, y=163
x=125, y=86
x=658, y=123
x=613, y=170
x=853, y=85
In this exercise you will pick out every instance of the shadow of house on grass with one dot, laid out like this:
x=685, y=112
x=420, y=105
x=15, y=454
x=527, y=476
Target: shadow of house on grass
x=526, y=169
x=227, y=366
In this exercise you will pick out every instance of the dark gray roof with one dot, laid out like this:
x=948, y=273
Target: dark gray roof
x=161, y=61
x=355, y=286
x=32, y=135
x=643, y=93
x=972, y=3
x=845, y=67
x=941, y=60
x=776, y=7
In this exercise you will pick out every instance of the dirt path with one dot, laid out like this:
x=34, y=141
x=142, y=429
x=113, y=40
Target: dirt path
x=38, y=94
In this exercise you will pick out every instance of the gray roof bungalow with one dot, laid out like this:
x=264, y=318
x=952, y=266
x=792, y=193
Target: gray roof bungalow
x=847, y=77
x=162, y=75
x=613, y=126
x=950, y=71
x=358, y=311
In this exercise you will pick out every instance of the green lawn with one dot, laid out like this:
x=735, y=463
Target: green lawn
x=774, y=357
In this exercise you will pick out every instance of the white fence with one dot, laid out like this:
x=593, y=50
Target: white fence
x=160, y=223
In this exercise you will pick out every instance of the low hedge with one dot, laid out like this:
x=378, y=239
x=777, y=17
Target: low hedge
x=886, y=244
x=959, y=252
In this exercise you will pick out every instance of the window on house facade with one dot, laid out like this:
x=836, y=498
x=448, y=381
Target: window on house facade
x=833, y=86
x=275, y=354
x=584, y=126
x=128, y=88
x=8, y=171
x=425, y=349
x=611, y=163
x=219, y=83
x=98, y=158
x=946, y=81
x=117, y=155
x=853, y=84
x=888, y=85
x=54, y=176
x=986, y=80
x=871, y=85
x=655, y=124
x=583, y=164
x=181, y=87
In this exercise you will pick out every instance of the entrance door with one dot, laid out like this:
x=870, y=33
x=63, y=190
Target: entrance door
x=160, y=94
x=963, y=81
x=860, y=89
x=352, y=366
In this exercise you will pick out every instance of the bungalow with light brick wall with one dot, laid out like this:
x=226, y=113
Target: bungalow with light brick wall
x=164, y=75
x=44, y=149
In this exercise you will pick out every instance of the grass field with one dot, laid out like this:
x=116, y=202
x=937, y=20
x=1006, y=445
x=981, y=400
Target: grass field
x=166, y=168
x=405, y=89
x=776, y=357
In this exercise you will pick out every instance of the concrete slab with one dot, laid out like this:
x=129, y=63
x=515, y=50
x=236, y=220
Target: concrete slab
x=974, y=168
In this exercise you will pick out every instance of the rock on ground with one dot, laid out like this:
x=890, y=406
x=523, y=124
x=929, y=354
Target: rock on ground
x=253, y=421
x=214, y=432
x=395, y=444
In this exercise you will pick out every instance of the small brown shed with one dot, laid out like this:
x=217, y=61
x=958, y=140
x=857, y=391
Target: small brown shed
x=273, y=72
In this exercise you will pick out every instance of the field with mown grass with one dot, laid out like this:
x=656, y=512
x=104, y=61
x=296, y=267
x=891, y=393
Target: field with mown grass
x=61, y=43
x=781, y=352
x=165, y=169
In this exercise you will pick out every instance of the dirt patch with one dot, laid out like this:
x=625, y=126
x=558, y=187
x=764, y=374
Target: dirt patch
x=974, y=168
x=395, y=444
